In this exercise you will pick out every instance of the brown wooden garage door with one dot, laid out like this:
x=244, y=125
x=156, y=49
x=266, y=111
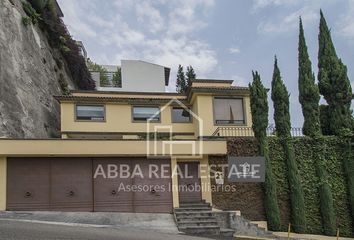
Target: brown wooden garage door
x=58, y=184
x=68, y=184
x=151, y=193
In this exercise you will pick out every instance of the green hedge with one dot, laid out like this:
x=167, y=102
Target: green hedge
x=304, y=148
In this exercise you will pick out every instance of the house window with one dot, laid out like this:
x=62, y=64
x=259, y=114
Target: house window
x=144, y=113
x=228, y=111
x=181, y=115
x=90, y=112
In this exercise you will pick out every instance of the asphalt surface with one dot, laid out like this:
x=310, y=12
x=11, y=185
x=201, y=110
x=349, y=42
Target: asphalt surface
x=18, y=230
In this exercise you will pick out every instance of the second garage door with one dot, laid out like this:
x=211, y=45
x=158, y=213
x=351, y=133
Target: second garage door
x=128, y=185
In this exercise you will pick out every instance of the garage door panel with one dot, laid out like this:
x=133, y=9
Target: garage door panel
x=71, y=184
x=157, y=195
x=28, y=184
x=108, y=191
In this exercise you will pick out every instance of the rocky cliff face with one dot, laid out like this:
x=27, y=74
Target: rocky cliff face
x=29, y=77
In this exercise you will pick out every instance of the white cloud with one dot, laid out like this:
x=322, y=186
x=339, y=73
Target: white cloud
x=146, y=12
x=259, y=4
x=139, y=29
x=346, y=22
x=183, y=17
x=240, y=81
x=287, y=18
x=234, y=50
x=77, y=25
x=290, y=22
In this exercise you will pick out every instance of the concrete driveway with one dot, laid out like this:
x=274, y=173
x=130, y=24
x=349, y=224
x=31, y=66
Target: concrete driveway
x=22, y=230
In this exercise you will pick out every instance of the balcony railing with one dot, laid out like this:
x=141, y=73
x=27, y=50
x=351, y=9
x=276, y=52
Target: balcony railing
x=248, y=132
x=105, y=79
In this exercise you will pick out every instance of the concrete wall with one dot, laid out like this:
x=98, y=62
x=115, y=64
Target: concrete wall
x=3, y=171
x=139, y=76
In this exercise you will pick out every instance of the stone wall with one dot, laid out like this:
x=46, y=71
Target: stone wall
x=29, y=77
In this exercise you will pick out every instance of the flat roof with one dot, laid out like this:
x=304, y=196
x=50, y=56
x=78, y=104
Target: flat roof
x=213, y=81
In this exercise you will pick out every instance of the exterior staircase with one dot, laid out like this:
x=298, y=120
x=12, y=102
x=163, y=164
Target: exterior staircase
x=197, y=218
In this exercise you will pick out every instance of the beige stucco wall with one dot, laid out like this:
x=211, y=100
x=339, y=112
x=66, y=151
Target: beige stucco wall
x=206, y=113
x=175, y=196
x=71, y=147
x=3, y=170
x=118, y=119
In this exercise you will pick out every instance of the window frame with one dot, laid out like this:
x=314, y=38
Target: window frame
x=145, y=121
x=89, y=104
x=243, y=110
x=190, y=118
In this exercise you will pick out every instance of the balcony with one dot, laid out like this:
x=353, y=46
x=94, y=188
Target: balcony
x=248, y=132
x=106, y=79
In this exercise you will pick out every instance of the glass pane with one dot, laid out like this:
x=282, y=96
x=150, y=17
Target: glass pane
x=180, y=115
x=145, y=113
x=86, y=112
x=228, y=110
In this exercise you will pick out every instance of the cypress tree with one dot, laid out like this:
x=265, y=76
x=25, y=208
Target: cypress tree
x=280, y=97
x=334, y=83
x=309, y=98
x=259, y=108
x=335, y=86
x=181, y=80
x=190, y=74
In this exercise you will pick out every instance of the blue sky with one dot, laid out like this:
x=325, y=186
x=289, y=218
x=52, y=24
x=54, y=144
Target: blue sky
x=224, y=39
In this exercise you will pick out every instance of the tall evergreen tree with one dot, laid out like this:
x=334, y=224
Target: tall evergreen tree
x=181, y=80
x=334, y=83
x=309, y=98
x=259, y=108
x=190, y=74
x=280, y=97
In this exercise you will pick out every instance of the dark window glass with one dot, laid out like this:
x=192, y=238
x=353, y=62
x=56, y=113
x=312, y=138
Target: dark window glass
x=180, y=115
x=90, y=112
x=145, y=113
x=229, y=111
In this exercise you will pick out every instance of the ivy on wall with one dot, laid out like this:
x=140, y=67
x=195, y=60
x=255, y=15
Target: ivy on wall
x=305, y=157
x=335, y=155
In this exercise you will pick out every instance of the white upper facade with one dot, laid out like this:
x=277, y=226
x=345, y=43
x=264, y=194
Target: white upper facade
x=137, y=76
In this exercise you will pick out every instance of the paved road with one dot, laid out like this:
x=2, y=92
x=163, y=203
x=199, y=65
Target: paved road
x=15, y=230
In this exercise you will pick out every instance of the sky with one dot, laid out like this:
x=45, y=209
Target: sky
x=221, y=39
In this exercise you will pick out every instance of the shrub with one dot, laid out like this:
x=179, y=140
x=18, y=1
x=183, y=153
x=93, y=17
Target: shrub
x=63, y=85
x=31, y=13
x=60, y=38
x=26, y=21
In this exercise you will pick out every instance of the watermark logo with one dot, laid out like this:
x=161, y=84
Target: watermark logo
x=170, y=146
x=246, y=169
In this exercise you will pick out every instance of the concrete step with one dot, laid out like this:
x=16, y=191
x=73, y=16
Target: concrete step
x=188, y=205
x=194, y=213
x=205, y=230
x=227, y=232
x=243, y=237
x=192, y=209
x=194, y=218
x=197, y=223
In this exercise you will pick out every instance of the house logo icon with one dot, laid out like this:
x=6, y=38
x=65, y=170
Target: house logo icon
x=167, y=145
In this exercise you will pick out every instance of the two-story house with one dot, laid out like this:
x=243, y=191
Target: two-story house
x=105, y=135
